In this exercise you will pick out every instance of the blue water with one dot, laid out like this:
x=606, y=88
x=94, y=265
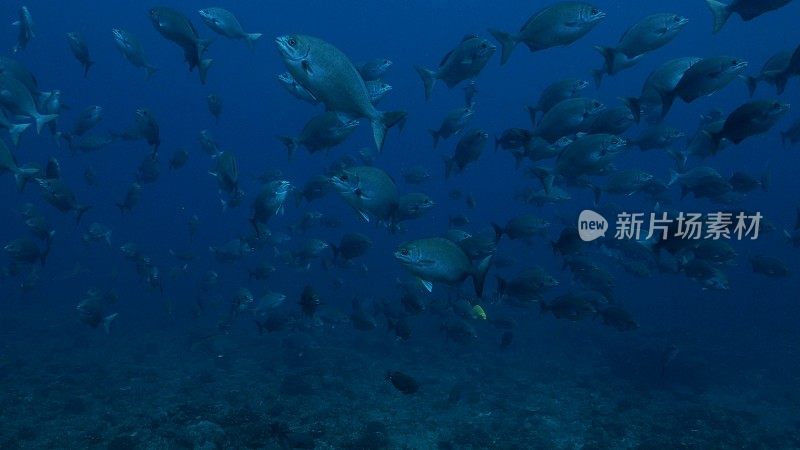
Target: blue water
x=168, y=377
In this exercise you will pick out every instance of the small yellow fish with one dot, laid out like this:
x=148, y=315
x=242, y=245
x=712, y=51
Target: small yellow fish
x=478, y=312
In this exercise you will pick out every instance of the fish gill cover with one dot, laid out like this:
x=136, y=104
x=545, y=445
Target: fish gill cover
x=598, y=248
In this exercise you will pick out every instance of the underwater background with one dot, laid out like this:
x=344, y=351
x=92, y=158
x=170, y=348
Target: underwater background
x=704, y=368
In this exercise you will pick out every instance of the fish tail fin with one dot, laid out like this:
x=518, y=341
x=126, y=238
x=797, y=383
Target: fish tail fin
x=251, y=39
x=107, y=322
x=721, y=13
x=80, y=211
x=428, y=78
x=680, y=159
x=122, y=208
x=635, y=105
x=435, y=135
x=667, y=99
x=752, y=84
x=86, y=68
x=16, y=131
x=42, y=119
x=149, y=71
x=290, y=143
x=608, y=54
x=203, y=69
x=384, y=122
x=507, y=43
x=673, y=177
x=780, y=82
x=479, y=278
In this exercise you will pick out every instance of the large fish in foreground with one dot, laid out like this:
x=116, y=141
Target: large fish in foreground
x=747, y=9
x=556, y=25
x=440, y=260
x=177, y=28
x=330, y=77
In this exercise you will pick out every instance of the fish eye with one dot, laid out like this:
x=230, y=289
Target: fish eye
x=595, y=11
x=292, y=42
x=343, y=177
x=483, y=44
x=404, y=252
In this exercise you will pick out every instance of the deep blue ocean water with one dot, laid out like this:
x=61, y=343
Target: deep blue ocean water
x=168, y=376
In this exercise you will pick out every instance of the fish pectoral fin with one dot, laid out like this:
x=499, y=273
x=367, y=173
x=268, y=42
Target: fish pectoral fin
x=15, y=23
x=307, y=68
x=467, y=61
x=363, y=215
x=428, y=285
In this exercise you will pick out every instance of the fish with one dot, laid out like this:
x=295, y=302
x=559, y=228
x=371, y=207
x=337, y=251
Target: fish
x=468, y=150
x=770, y=73
x=746, y=9
x=293, y=87
x=26, y=30
x=352, y=245
x=659, y=84
x=176, y=27
x=769, y=266
x=224, y=23
x=178, y=159
x=15, y=130
x=214, y=106
x=81, y=51
x=329, y=76
x=523, y=227
x=132, y=50
x=9, y=164
x=559, y=24
x=647, y=35
x=374, y=69
x=131, y=199
x=17, y=99
x=440, y=260
x=322, y=132
x=568, y=117
x=527, y=286
x=60, y=196
x=270, y=202
x=554, y=94
x=402, y=382
x=704, y=78
x=464, y=62
x=452, y=124
x=368, y=190
x=750, y=119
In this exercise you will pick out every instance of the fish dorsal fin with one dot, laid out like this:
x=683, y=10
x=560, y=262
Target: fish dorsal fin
x=468, y=37
x=428, y=285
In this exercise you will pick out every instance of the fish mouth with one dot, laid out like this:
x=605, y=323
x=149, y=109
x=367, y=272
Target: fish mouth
x=289, y=52
x=740, y=66
x=682, y=22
